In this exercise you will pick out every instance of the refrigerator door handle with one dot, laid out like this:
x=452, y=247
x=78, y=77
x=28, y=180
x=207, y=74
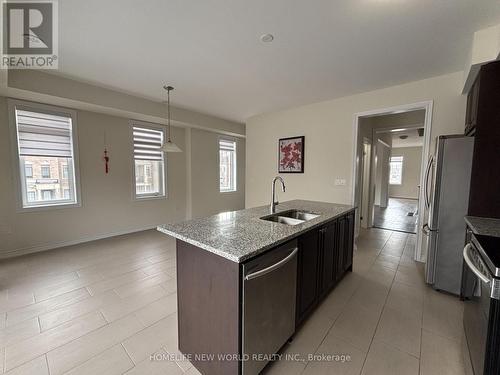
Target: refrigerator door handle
x=425, y=229
x=426, y=182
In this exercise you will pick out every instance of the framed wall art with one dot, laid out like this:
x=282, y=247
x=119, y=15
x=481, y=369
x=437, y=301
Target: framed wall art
x=291, y=155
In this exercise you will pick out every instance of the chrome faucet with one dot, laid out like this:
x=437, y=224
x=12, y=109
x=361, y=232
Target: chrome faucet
x=274, y=203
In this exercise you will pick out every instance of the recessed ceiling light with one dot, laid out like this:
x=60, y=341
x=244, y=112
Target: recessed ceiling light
x=267, y=38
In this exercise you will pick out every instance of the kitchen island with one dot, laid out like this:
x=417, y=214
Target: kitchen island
x=246, y=279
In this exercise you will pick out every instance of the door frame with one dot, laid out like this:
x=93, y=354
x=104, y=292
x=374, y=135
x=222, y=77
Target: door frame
x=424, y=105
x=364, y=183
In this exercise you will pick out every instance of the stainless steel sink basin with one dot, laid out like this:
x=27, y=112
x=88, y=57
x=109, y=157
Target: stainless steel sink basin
x=299, y=215
x=291, y=217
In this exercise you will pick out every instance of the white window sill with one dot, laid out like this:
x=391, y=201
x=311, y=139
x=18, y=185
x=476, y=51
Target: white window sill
x=47, y=207
x=149, y=197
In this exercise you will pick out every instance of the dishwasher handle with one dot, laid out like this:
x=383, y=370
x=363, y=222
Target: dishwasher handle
x=266, y=270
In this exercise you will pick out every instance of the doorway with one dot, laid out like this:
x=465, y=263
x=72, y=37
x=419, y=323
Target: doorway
x=399, y=165
x=391, y=146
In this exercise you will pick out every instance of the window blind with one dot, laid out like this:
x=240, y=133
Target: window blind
x=41, y=134
x=227, y=145
x=147, y=143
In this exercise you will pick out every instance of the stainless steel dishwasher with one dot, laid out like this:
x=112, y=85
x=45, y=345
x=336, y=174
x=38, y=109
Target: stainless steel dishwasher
x=269, y=294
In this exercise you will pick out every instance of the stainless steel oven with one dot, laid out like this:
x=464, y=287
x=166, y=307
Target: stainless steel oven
x=482, y=307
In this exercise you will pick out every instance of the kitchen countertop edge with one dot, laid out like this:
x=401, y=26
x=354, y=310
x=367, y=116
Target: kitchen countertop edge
x=295, y=231
x=483, y=225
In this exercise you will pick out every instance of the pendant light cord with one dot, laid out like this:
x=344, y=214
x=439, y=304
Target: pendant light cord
x=168, y=112
x=168, y=88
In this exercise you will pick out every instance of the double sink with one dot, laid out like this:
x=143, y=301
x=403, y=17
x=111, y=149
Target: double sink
x=291, y=217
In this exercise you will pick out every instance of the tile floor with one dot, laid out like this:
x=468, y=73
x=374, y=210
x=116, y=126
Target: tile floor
x=395, y=215
x=104, y=307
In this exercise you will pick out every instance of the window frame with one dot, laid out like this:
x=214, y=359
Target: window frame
x=402, y=169
x=228, y=139
x=18, y=167
x=164, y=180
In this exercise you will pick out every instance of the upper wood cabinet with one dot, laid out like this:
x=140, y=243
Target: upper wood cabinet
x=484, y=197
x=472, y=109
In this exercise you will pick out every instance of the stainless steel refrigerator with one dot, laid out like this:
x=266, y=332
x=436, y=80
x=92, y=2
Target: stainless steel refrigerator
x=447, y=196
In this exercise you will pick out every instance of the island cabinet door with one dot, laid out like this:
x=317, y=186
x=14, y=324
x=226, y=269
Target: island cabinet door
x=340, y=243
x=348, y=241
x=329, y=257
x=307, y=280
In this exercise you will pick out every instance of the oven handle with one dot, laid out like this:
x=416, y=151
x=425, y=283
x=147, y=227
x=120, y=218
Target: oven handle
x=265, y=271
x=484, y=279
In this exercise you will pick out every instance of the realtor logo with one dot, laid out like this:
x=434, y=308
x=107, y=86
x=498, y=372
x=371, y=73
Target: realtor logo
x=29, y=34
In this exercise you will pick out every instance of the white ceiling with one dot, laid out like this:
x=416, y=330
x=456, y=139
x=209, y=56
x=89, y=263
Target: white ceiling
x=413, y=140
x=211, y=52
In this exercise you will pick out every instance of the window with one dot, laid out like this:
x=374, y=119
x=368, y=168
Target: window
x=396, y=170
x=45, y=138
x=65, y=172
x=149, y=168
x=31, y=196
x=28, y=170
x=48, y=195
x=45, y=171
x=227, y=165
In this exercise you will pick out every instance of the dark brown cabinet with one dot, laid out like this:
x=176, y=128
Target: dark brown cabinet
x=472, y=109
x=349, y=242
x=307, y=273
x=329, y=255
x=325, y=255
x=484, y=199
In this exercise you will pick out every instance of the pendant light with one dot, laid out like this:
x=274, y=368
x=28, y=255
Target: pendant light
x=169, y=146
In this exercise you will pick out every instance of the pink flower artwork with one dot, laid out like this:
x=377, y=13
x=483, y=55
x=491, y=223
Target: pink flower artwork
x=291, y=155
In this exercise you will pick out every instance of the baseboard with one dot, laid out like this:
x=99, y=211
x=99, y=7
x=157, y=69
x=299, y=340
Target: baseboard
x=55, y=245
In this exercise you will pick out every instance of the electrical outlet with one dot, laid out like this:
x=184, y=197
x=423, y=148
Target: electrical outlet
x=340, y=182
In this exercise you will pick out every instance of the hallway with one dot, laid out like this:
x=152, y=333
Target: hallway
x=395, y=215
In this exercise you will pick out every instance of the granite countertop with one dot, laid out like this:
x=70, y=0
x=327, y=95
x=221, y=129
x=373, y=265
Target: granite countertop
x=241, y=235
x=484, y=226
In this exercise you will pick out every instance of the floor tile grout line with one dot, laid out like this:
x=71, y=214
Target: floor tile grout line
x=97, y=309
x=128, y=355
x=47, y=362
x=121, y=342
x=381, y=313
x=103, y=326
x=335, y=320
x=455, y=339
x=60, y=295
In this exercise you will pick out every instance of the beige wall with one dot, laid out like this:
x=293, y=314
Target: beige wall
x=206, y=197
x=412, y=160
x=36, y=85
x=329, y=137
x=108, y=206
